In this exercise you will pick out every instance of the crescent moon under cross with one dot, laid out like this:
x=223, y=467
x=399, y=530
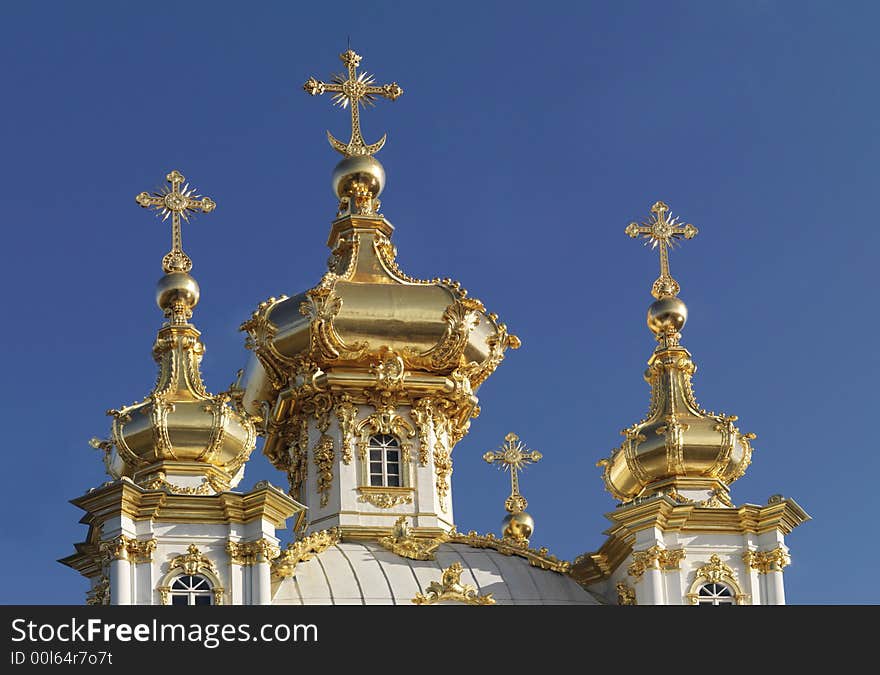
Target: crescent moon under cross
x=358, y=90
x=352, y=149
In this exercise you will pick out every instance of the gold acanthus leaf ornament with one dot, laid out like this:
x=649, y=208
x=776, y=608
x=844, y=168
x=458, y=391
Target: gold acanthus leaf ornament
x=308, y=547
x=767, y=561
x=322, y=307
x=654, y=557
x=461, y=317
x=127, y=548
x=252, y=552
x=450, y=589
x=260, y=335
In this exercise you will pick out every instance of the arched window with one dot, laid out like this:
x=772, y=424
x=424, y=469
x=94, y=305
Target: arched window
x=384, y=454
x=190, y=589
x=715, y=594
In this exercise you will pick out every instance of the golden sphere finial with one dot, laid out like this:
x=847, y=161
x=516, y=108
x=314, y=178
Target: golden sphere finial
x=177, y=291
x=518, y=526
x=667, y=315
x=362, y=172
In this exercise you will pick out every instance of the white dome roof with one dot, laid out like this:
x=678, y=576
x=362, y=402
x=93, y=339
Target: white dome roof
x=365, y=573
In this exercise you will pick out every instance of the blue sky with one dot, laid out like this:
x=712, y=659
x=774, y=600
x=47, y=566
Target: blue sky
x=528, y=136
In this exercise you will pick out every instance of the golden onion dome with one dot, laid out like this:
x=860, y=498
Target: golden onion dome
x=678, y=448
x=365, y=306
x=180, y=438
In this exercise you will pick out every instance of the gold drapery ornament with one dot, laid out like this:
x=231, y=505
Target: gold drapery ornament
x=663, y=232
x=513, y=456
x=355, y=91
x=450, y=589
x=177, y=202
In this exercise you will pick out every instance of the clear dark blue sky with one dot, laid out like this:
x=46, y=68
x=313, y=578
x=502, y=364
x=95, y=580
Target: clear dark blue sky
x=529, y=135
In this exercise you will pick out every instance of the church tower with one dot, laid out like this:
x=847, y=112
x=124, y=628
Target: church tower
x=676, y=537
x=168, y=529
x=368, y=380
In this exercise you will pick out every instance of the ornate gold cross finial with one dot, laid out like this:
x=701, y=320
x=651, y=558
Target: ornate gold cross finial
x=356, y=91
x=177, y=202
x=513, y=456
x=663, y=231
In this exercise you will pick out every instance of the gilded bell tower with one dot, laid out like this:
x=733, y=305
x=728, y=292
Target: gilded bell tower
x=676, y=535
x=366, y=382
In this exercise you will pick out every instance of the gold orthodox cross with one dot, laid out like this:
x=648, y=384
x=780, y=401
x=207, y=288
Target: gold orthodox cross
x=356, y=91
x=664, y=232
x=513, y=456
x=176, y=202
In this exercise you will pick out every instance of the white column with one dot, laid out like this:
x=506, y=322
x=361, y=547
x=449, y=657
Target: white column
x=654, y=579
x=262, y=582
x=120, y=582
x=775, y=588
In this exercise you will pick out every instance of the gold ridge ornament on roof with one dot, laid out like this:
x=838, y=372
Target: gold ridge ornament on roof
x=176, y=202
x=354, y=91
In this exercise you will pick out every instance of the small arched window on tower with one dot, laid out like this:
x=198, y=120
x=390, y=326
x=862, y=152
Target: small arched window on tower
x=384, y=457
x=191, y=589
x=714, y=594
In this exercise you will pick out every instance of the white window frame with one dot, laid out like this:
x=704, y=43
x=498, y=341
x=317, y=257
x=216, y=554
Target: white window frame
x=718, y=594
x=202, y=588
x=383, y=443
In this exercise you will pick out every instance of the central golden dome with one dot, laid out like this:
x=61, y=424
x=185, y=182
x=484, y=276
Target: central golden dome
x=366, y=306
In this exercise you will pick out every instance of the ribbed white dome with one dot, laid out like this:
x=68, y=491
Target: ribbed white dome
x=365, y=573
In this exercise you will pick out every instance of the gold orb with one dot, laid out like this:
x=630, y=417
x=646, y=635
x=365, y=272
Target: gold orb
x=667, y=315
x=518, y=526
x=365, y=170
x=177, y=286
